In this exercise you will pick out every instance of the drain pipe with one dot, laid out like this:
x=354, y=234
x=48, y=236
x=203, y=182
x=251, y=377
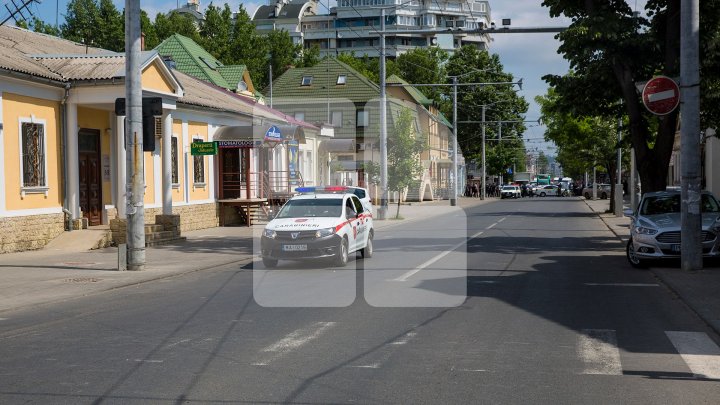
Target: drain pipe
x=63, y=164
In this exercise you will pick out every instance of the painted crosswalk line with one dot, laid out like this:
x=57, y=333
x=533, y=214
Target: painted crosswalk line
x=698, y=351
x=598, y=350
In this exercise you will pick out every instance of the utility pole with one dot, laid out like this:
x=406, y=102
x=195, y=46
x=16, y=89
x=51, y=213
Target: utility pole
x=456, y=181
x=483, y=153
x=382, y=210
x=618, y=183
x=690, y=216
x=135, y=157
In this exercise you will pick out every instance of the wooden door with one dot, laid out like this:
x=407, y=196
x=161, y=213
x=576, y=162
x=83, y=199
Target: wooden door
x=231, y=175
x=90, y=175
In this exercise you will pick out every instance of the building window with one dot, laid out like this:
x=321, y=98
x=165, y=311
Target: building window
x=198, y=166
x=306, y=81
x=174, y=159
x=362, y=118
x=33, y=155
x=300, y=116
x=336, y=120
x=341, y=79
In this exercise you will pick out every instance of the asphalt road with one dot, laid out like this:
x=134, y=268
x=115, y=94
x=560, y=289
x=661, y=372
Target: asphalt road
x=514, y=301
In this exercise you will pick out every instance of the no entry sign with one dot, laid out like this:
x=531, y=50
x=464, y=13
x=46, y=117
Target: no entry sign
x=661, y=95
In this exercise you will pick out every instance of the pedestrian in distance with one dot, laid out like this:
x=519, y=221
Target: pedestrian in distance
x=559, y=190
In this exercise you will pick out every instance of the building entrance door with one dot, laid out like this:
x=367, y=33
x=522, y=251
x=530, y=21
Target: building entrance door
x=90, y=175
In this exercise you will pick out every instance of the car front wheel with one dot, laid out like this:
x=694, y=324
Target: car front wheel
x=542, y=194
x=367, y=251
x=632, y=257
x=269, y=263
x=341, y=258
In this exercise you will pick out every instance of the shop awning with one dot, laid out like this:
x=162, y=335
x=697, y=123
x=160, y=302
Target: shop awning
x=262, y=133
x=338, y=145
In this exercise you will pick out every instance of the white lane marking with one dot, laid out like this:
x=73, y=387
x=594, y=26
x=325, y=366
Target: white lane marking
x=178, y=343
x=492, y=226
x=377, y=358
x=623, y=284
x=471, y=370
x=148, y=361
x=700, y=353
x=502, y=219
x=599, y=352
x=293, y=341
x=414, y=271
x=3, y=319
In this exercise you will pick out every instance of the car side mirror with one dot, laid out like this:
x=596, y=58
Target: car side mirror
x=351, y=215
x=629, y=213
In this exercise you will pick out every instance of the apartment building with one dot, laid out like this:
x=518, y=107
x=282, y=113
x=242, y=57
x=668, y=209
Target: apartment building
x=353, y=25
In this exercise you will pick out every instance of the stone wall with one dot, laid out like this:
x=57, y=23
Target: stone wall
x=30, y=232
x=192, y=217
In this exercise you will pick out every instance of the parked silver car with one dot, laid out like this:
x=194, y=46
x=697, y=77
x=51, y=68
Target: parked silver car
x=603, y=191
x=655, y=227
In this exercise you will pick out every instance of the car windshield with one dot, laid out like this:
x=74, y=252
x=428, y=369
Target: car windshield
x=671, y=204
x=360, y=193
x=315, y=207
x=508, y=188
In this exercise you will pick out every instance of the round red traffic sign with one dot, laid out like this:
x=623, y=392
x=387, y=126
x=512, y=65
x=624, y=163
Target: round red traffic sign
x=661, y=95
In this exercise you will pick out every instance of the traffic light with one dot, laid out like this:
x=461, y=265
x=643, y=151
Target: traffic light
x=151, y=108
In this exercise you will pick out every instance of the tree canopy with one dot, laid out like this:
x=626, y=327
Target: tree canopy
x=611, y=50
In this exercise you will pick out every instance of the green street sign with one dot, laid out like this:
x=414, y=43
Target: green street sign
x=203, y=148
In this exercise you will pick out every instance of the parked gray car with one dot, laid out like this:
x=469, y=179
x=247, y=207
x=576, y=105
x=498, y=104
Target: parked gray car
x=655, y=227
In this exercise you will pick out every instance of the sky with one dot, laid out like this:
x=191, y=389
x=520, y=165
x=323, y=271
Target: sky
x=526, y=56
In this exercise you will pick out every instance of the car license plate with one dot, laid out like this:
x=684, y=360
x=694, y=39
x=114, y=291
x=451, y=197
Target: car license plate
x=675, y=248
x=294, y=248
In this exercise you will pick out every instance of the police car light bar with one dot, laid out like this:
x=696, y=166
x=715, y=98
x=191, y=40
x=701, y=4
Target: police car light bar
x=328, y=189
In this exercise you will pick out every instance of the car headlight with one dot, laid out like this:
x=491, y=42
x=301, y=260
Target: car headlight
x=321, y=233
x=645, y=231
x=269, y=233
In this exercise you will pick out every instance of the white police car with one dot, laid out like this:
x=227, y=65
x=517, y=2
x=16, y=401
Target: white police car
x=328, y=222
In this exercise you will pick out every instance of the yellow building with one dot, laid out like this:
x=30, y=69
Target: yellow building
x=62, y=148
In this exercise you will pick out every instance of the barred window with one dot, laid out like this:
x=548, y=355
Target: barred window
x=33, y=155
x=198, y=166
x=174, y=159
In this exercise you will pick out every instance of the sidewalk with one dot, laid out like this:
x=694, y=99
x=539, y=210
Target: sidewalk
x=699, y=290
x=58, y=273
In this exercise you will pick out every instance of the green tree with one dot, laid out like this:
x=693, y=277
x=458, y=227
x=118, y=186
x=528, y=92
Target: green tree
x=501, y=101
x=543, y=164
x=110, y=27
x=610, y=50
x=216, y=30
x=404, y=149
x=282, y=51
x=583, y=142
x=310, y=57
x=367, y=66
x=40, y=26
x=248, y=48
x=175, y=23
x=424, y=65
x=81, y=22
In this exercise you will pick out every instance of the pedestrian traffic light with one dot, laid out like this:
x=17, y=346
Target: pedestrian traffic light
x=151, y=108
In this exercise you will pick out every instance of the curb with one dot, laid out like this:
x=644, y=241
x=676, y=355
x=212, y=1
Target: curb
x=129, y=284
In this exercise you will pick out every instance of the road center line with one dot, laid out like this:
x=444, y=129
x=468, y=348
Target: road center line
x=623, y=284
x=700, y=353
x=414, y=271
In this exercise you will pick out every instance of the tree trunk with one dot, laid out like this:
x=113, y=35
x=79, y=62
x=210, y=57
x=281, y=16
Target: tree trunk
x=397, y=214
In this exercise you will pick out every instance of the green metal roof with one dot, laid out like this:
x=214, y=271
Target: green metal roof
x=444, y=120
x=357, y=87
x=192, y=59
x=416, y=94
